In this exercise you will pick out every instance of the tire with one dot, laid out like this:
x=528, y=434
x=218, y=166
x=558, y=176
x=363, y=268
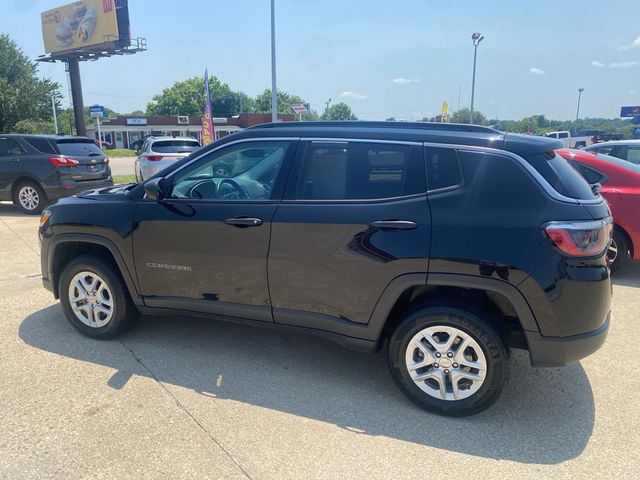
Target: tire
x=618, y=253
x=98, y=324
x=29, y=197
x=473, y=395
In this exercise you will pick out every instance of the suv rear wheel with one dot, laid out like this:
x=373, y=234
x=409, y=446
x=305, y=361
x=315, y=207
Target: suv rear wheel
x=448, y=360
x=29, y=197
x=95, y=298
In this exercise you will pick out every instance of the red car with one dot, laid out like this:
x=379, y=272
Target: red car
x=620, y=182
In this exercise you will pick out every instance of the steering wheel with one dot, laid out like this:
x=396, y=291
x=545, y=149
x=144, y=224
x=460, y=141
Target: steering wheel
x=242, y=192
x=196, y=190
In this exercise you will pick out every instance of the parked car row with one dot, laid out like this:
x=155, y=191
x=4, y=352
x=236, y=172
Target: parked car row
x=583, y=138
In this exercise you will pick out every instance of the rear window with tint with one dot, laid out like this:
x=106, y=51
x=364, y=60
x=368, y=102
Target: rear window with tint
x=561, y=175
x=175, y=146
x=78, y=148
x=41, y=144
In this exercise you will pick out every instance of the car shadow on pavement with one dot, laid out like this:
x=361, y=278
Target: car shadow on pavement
x=545, y=416
x=628, y=275
x=10, y=210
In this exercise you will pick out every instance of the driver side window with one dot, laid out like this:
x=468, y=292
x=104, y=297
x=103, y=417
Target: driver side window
x=244, y=171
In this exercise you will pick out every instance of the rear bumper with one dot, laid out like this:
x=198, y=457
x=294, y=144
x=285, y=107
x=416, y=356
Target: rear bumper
x=76, y=187
x=560, y=351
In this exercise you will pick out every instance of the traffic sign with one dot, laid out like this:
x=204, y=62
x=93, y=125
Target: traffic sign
x=300, y=108
x=96, y=111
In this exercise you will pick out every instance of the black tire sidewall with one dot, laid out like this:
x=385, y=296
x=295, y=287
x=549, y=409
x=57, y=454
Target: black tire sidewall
x=492, y=346
x=41, y=195
x=623, y=250
x=121, y=317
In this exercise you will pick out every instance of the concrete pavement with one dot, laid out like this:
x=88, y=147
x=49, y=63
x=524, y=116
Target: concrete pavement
x=180, y=397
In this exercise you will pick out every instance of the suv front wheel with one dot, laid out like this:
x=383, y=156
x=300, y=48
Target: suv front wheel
x=448, y=360
x=95, y=298
x=29, y=197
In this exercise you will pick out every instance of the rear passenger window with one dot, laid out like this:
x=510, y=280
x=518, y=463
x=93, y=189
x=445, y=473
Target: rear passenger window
x=360, y=171
x=443, y=170
x=10, y=147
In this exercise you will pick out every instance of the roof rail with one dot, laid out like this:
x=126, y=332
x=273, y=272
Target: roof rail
x=454, y=127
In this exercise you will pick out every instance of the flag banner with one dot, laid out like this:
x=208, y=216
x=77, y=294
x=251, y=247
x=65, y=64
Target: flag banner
x=207, y=135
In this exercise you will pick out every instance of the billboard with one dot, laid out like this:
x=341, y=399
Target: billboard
x=630, y=111
x=81, y=25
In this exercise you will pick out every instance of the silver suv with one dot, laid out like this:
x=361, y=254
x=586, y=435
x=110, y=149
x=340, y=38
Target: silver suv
x=157, y=153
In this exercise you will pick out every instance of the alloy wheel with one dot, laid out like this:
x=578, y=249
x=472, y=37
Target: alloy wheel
x=446, y=362
x=29, y=198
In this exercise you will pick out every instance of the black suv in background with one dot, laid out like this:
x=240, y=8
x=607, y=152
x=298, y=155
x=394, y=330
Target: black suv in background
x=448, y=245
x=36, y=169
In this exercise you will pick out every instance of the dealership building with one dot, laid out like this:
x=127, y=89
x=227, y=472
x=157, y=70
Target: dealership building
x=121, y=132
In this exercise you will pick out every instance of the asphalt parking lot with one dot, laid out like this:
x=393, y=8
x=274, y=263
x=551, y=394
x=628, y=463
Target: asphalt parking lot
x=190, y=398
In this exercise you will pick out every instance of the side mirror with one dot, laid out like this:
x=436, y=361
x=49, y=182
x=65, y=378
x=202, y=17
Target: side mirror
x=155, y=189
x=137, y=151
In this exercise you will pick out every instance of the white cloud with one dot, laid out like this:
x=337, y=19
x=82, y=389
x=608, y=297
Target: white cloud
x=623, y=64
x=405, y=81
x=598, y=64
x=536, y=71
x=353, y=95
x=636, y=43
x=633, y=92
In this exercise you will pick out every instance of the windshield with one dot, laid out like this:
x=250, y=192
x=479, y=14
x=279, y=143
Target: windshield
x=175, y=146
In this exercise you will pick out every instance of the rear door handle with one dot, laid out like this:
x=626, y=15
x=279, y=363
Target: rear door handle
x=244, y=221
x=394, y=224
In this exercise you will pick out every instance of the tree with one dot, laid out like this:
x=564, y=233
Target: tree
x=463, y=115
x=187, y=98
x=23, y=96
x=339, y=111
x=285, y=100
x=29, y=125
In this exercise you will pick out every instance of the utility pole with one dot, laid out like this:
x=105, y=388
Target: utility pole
x=580, y=90
x=476, y=38
x=55, y=116
x=274, y=88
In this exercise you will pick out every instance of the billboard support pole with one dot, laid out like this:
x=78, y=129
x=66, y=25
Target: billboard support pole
x=76, y=94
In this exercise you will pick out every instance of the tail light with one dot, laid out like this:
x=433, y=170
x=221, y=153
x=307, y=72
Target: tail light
x=580, y=239
x=61, y=161
x=153, y=158
x=595, y=139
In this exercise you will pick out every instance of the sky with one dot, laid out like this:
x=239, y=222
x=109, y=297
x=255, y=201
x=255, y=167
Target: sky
x=399, y=58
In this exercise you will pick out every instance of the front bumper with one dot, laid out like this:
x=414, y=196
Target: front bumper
x=560, y=351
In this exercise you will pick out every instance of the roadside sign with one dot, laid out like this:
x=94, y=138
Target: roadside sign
x=96, y=111
x=633, y=111
x=300, y=108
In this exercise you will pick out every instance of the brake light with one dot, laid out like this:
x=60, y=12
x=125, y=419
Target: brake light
x=61, y=161
x=154, y=158
x=580, y=239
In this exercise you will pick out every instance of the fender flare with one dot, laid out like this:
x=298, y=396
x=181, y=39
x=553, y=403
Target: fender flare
x=62, y=238
x=400, y=284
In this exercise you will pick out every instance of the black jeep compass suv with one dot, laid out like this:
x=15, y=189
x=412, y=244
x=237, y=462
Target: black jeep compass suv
x=448, y=245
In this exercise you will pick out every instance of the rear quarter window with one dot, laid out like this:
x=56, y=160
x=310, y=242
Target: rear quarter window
x=41, y=144
x=562, y=177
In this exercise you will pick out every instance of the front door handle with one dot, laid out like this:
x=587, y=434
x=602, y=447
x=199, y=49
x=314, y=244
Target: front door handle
x=16, y=160
x=394, y=224
x=244, y=221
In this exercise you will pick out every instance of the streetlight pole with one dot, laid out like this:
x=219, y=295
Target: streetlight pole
x=476, y=38
x=55, y=116
x=274, y=89
x=580, y=90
